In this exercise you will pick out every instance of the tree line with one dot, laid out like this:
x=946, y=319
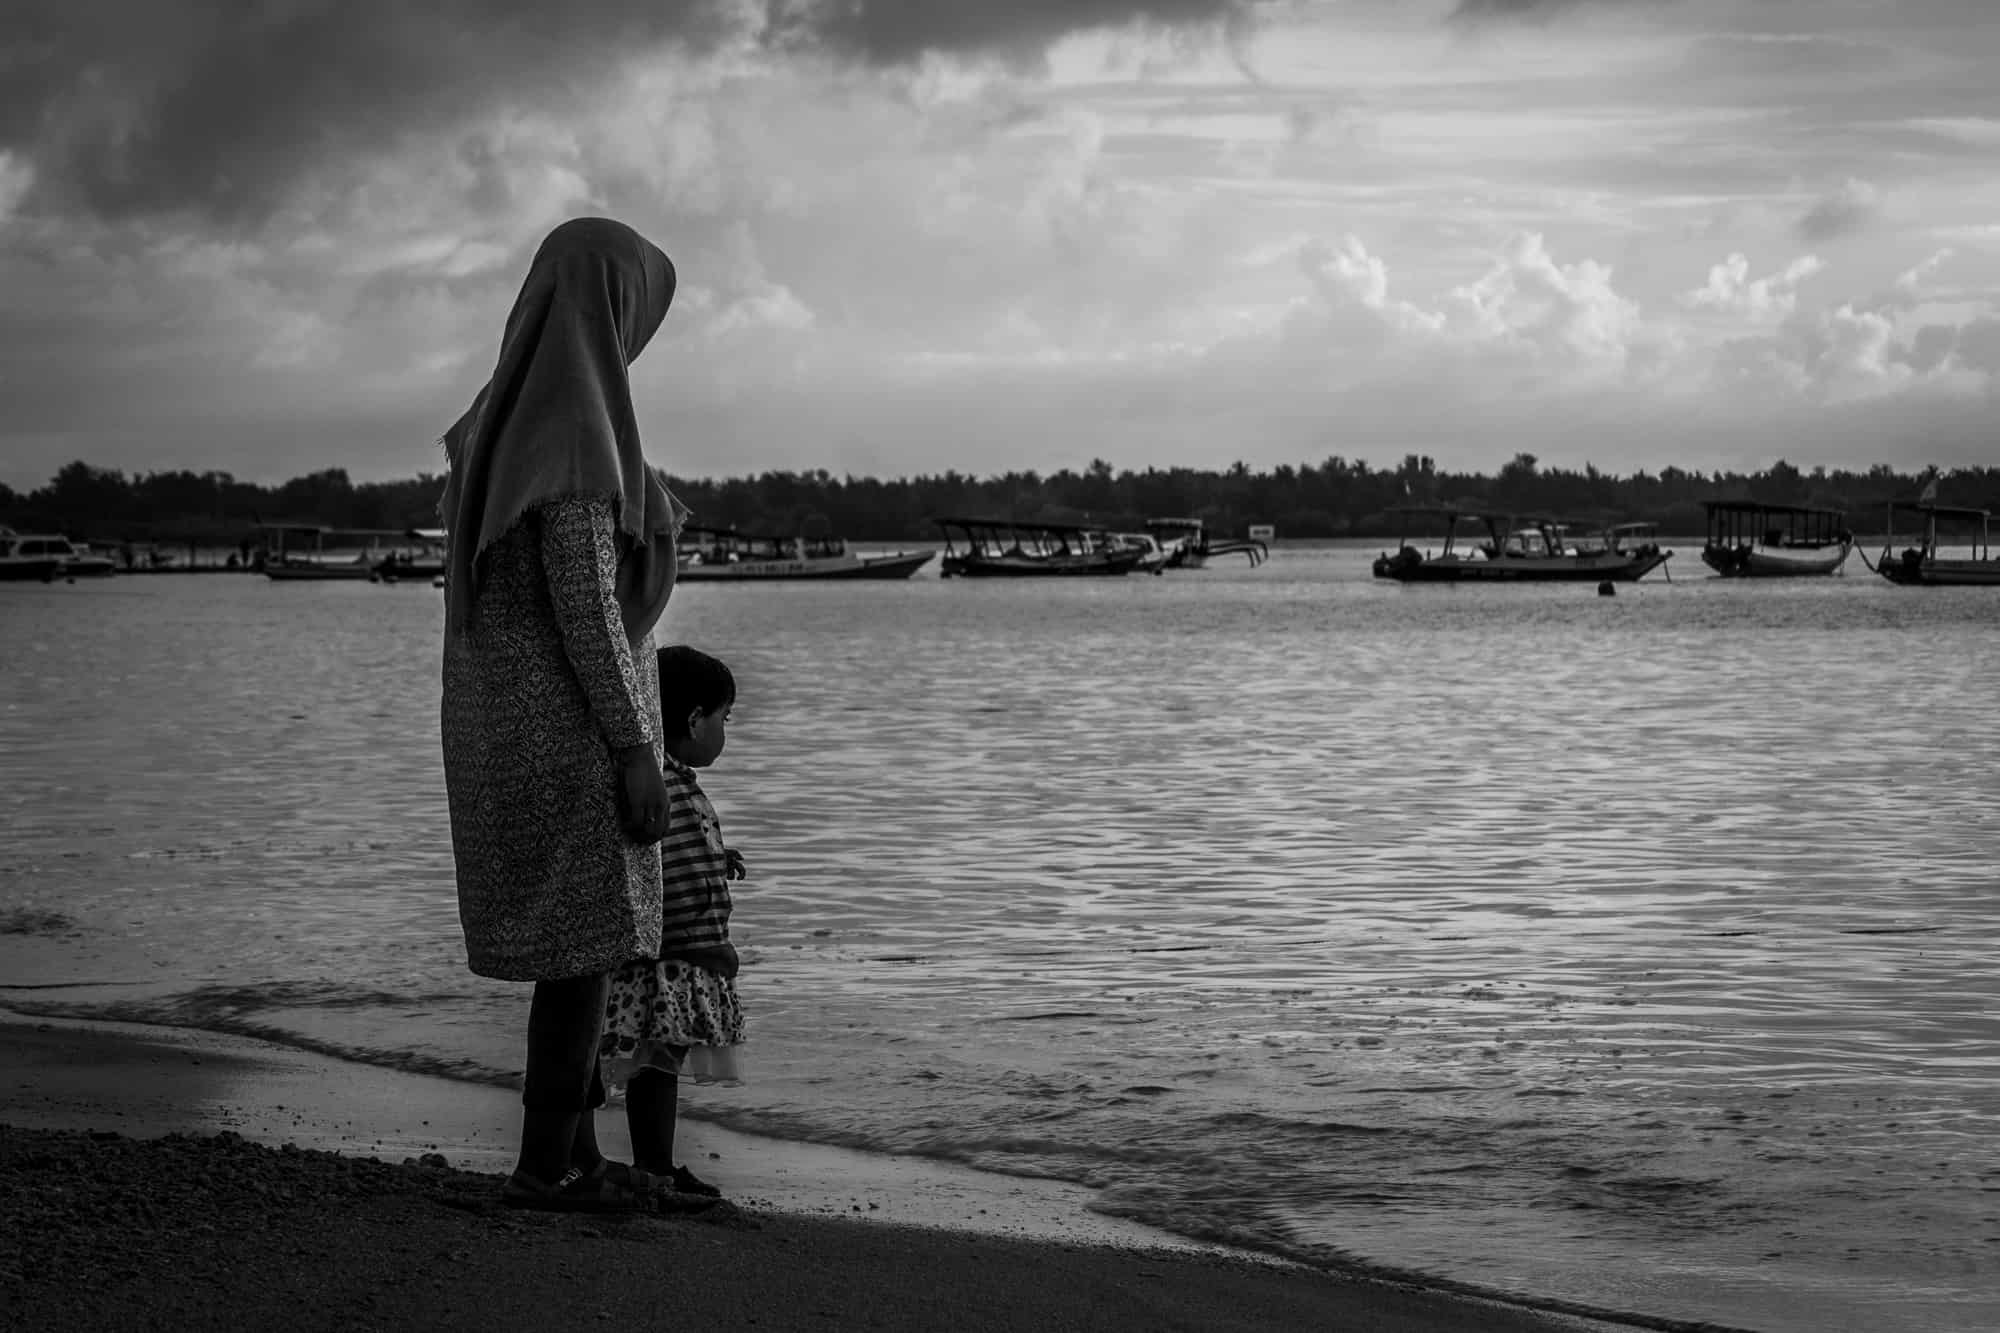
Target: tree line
x=1337, y=498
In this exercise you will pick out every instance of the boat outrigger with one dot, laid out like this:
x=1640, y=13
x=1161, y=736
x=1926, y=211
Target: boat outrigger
x=724, y=555
x=1007, y=548
x=1190, y=547
x=1522, y=548
x=1751, y=540
x=1955, y=548
x=1155, y=556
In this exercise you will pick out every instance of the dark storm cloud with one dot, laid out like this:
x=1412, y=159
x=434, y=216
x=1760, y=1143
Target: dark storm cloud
x=216, y=107
x=1840, y=212
x=1474, y=10
x=894, y=31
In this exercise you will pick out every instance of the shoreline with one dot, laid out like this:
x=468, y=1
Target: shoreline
x=73, y=1091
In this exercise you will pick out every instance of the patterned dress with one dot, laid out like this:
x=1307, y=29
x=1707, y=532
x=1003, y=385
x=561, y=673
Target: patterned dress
x=538, y=690
x=672, y=1013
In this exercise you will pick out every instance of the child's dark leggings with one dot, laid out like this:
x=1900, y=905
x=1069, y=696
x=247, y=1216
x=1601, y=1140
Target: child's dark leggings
x=565, y=1021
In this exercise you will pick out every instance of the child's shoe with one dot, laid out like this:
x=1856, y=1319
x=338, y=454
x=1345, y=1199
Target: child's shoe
x=687, y=1182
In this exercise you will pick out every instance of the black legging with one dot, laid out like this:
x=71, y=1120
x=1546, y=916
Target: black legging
x=565, y=1020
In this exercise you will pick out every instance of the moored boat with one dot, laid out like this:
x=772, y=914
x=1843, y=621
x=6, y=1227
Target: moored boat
x=1191, y=546
x=1007, y=548
x=1154, y=556
x=723, y=555
x=1751, y=540
x=421, y=560
x=1954, y=548
x=44, y=557
x=284, y=560
x=1521, y=548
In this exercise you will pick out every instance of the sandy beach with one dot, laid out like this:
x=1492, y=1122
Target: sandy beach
x=161, y=1178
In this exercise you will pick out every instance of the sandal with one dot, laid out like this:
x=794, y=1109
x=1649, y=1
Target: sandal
x=578, y=1191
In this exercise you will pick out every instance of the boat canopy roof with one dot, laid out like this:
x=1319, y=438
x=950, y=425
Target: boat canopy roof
x=1014, y=525
x=1941, y=511
x=322, y=530
x=1452, y=513
x=1176, y=523
x=1761, y=507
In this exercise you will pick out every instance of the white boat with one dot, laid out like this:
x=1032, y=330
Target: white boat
x=1750, y=540
x=723, y=555
x=1192, y=548
x=44, y=557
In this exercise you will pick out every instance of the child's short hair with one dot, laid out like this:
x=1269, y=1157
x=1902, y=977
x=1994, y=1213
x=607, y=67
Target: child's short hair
x=691, y=679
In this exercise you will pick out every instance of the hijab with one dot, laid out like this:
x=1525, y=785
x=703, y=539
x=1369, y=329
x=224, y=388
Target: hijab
x=556, y=418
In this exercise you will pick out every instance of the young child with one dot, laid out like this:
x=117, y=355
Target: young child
x=678, y=1013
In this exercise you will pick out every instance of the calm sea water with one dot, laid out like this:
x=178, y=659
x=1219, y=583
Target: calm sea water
x=1637, y=952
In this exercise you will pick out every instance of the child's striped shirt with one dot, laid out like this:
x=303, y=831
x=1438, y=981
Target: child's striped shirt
x=694, y=869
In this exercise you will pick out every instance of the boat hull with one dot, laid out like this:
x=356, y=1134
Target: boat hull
x=33, y=570
x=1110, y=564
x=1940, y=573
x=309, y=573
x=1739, y=562
x=409, y=571
x=835, y=568
x=1409, y=566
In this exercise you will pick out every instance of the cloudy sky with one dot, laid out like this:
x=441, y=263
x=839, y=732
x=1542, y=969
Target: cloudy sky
x=271, y=236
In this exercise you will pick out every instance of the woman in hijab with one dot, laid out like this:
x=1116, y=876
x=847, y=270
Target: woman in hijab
x=561, y=560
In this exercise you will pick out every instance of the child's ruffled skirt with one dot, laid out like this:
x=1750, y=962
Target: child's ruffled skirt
x=671, y=1016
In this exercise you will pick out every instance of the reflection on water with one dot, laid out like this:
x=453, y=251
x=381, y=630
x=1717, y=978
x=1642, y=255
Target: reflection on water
x=1631, y=950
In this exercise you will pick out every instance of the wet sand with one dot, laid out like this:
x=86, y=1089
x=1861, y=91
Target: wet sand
x=158, y=1178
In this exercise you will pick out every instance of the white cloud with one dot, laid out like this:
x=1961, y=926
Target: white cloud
x=1345, y=277
x=1910, y=283
x=1570, y=315
x=17, y=177
x=1731, y=290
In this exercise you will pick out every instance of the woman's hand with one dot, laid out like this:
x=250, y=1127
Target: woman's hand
x=735, y=862
x=642, y=794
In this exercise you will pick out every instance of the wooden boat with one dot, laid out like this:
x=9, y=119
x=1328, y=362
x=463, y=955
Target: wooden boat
x=1954, y=550
x=1006, y=548
x=1193, y=548
x=422, y=560
x=1155, y=557
x=1522, y=548
x=282, y=559
x=1751, y=540
x=723, y=555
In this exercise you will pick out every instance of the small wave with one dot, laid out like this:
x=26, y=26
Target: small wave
x=236, y=1010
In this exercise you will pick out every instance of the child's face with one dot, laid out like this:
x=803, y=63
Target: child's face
x=707, y=728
